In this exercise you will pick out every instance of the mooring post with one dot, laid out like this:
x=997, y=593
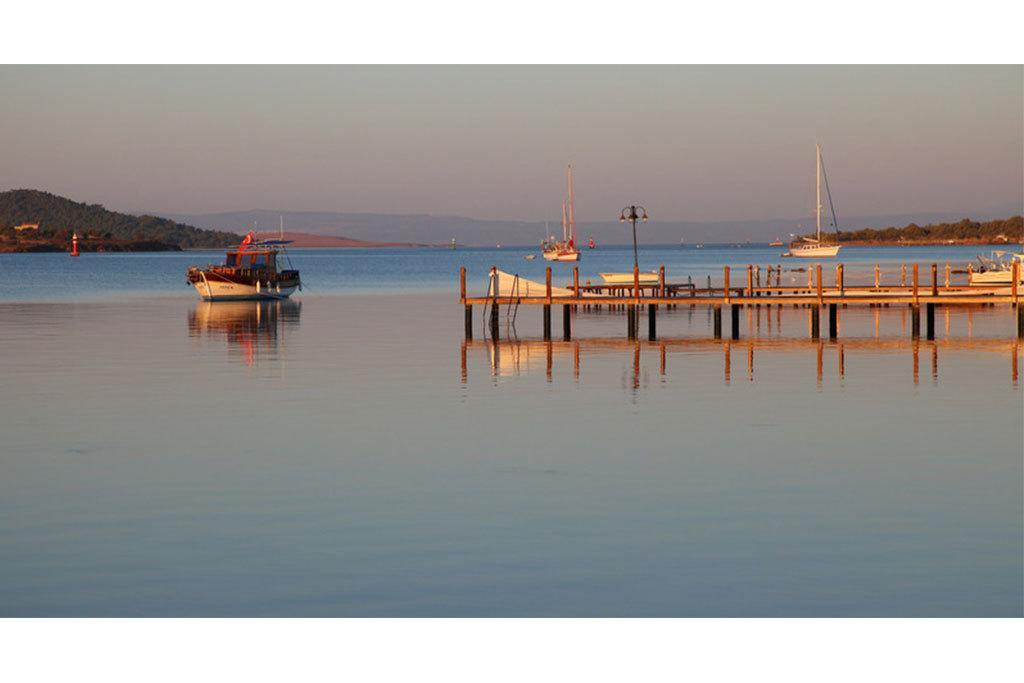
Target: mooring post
x=652, y=325
x=718, y=321
x=815, y=322
x=547, y=306
x=915, y=322
x=631, y=321
x=750, y=281
x=567, y=322
x=494, y=303
x=935, y=279
x=930, y=321
x=878, y=273
x=833, y=320
x=576, y=281
x=735, y=310
x=1020, y=322
x=947, y=274
x=725, y=276
x=462, y=298
x=840, y=279
x=817, y=276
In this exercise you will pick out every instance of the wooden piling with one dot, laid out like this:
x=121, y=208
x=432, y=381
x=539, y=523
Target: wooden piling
x=717, y=321
x=652, y=325
x=815, y=322
x=750, y=280
x=947, y=274
x=547, y=306
x=735, y=310
x=661, y=282
x=930, y=321
x=631, y=321
x=817, y=276
x=903, y=275
x=915, y=322
x=567, y=322
x=840, y=279
x=833, y=328
x=469, y=321
x=878, y=274
x=462, y=284
x=576, y=281
x=725, y=275
x=916, y=293
x=935, y=279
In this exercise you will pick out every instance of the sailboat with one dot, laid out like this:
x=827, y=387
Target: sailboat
x=564, y=250
x=807, y=247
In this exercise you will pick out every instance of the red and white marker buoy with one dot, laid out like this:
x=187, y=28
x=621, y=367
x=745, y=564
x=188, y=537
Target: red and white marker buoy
x=74, y=244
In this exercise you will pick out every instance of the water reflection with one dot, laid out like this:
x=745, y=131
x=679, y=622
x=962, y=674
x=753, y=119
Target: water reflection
x=511, y=358
x=253, y=329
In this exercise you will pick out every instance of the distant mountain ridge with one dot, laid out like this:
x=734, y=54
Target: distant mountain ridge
x=58, y=217
x=430, y=229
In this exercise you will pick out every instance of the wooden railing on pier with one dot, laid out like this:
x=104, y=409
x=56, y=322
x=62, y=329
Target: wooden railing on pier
x=814, y=295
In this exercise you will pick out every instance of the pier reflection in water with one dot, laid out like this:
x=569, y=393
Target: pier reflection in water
x=510, y=358
x=252, y=329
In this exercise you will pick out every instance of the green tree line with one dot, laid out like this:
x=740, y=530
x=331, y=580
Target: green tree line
x=966, y=229
x=58, y=217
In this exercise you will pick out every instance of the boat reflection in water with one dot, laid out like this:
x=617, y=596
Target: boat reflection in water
x=254, y=329
x=512, y=358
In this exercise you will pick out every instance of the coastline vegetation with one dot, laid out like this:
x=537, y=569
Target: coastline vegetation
x=98, y=229
x=966, y=231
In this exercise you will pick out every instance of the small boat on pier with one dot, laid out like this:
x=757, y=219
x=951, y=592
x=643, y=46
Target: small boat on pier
x=250, y=272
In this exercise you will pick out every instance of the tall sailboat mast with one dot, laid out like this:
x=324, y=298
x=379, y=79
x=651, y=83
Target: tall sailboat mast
x=817, y=178
x=572, y=210
x=565, y=223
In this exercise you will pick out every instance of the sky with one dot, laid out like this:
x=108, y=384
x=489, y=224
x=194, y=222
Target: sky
x=701, y=143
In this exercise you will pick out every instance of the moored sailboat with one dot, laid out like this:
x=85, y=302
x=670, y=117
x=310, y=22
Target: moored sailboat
x=566, y=249
x=808, y=247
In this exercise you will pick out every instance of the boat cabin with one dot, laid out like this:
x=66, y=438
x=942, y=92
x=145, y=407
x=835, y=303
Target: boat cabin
x=252, y=259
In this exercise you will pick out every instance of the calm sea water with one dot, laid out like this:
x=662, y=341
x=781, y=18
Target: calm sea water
x=349, y=454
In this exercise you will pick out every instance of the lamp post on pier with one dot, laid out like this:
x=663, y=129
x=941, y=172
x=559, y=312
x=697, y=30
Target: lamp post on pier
x=630, y=214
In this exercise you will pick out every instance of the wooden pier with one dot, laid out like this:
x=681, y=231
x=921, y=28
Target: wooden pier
x=815, y=296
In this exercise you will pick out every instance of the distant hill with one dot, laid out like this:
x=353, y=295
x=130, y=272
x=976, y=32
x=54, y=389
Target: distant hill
x=59, y=217
x=308, y=240
x=428, y=229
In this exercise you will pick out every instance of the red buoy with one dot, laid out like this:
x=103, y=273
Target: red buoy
x=74, y=244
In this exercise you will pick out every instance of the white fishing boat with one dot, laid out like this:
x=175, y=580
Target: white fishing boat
x=565, y=249
x=249, y=272
x=646, y=278
x=998, y=269
x=813, y=247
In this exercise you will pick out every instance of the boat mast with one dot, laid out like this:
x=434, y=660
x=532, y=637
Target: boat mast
x=817, y=183
x=572, y=210
x=565, y=224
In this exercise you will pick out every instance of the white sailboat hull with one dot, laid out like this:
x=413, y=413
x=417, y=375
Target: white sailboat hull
x=817, y=251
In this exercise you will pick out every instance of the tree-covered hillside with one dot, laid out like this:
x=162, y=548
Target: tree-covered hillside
x=1009, y=229
x=59, y=217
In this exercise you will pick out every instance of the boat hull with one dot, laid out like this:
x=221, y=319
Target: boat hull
x=627, y=278
x=815, y=252
x=994, y=277
x=210, y=290
x=561, y=256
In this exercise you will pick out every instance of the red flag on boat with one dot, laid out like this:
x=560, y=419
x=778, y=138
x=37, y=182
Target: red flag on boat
x=246, y=241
